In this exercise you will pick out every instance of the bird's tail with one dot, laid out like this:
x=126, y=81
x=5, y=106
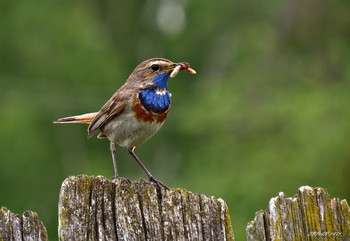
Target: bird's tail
x=84, y=119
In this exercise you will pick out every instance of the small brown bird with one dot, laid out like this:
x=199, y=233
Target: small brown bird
x=136, y=111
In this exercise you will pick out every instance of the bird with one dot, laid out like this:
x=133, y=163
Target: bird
x=136, y=111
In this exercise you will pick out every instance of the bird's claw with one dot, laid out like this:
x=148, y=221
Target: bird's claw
x=158, y=183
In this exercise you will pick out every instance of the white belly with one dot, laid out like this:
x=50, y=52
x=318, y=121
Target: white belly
x=127, y=131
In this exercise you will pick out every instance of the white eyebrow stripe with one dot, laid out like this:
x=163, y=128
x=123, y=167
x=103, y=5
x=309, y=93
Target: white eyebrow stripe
x=159, y=62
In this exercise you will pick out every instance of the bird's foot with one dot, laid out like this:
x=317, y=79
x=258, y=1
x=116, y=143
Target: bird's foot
x=158, y=183
x=115, y=176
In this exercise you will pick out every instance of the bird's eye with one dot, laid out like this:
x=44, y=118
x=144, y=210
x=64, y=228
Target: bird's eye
x=155, y=67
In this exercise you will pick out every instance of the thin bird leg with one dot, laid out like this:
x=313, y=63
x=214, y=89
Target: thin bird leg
x=150, y=176
x=114, y=157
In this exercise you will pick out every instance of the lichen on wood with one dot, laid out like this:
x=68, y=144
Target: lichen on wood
x=96, y=208
x=310, y=215
x=25, y=227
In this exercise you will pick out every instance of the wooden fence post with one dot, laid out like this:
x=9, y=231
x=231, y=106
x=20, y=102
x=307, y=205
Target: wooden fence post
x=25, y=227
x=310, y=215
x=96, y=208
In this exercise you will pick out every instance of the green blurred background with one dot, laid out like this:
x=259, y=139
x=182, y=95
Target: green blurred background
x=268, y=111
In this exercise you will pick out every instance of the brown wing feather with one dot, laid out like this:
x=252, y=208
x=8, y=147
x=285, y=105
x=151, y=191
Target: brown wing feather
x=114, y=106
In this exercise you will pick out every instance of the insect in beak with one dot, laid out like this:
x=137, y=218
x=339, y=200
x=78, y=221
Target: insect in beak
x=181, y=66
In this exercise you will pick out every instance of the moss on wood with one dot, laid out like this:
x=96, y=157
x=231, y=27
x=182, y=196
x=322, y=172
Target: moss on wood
x=96, y=208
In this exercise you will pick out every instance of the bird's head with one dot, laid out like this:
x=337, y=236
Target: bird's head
x=154, y=73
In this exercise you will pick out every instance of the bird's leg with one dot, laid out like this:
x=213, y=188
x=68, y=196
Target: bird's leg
x=114, y=157
x=150, y=176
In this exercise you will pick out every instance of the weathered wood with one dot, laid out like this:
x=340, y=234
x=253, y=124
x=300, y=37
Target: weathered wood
x=96, y=208
x=310, y=215
x=25, y=227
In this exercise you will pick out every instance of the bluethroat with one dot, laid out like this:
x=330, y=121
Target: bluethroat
x=136, y=111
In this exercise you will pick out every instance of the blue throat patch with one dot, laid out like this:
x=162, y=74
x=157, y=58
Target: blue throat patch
x=161, y=80
x=158, y=99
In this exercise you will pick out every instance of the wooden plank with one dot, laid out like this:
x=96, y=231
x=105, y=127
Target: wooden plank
x=96, y=208
x=310, y=215
x=24, y=227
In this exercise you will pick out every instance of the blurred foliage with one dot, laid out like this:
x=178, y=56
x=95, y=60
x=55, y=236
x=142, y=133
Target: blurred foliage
x=269, y=110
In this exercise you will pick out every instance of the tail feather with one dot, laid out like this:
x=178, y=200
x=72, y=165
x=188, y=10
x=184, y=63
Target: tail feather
x=85, y=119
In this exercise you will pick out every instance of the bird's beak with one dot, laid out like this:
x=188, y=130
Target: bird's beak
x=181, y=66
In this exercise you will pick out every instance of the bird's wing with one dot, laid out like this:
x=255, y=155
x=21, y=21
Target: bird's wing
x=113, y=107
